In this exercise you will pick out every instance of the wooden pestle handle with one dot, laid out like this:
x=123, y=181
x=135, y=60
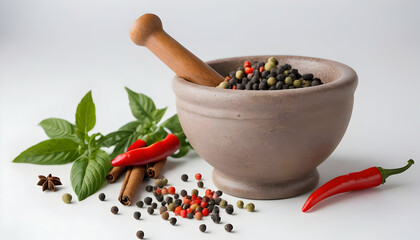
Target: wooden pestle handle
x=147, y=31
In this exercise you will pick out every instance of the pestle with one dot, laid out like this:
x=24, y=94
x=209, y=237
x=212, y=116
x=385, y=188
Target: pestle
x=147, y=31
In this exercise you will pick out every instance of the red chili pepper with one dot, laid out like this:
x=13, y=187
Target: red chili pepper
x=367, y=178
x=152, y=153
x=137, y=144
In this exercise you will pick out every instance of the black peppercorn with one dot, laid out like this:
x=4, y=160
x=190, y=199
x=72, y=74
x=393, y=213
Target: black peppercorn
x=216, y=218
x=149, y=188
x=178, y=202
x=150, y=210
x=248, y=86
x=190, y=215
x=263, y=85
x=308, y=76
x=200, y=184
x=202, y=227
x=140, y=234
x=280, y=77
x=154, y=205
x=228, y=227
x=172, y=221
x=212, y=202
x=279, y=85
x=140, y=204
x=184, y=177
x=210, y=208
x=255, y=86
x=199, y=209
x=169, y=199
x=101, y=196
x=137, y=215
x=265, y=74
x=163, y=203
x=185, y=206
x=219, y=193
x=229, y=209
x=176, y=195
x=287, y=66
x=114, y=210
x=148, y=200
x=217, y=201
x=162, y=209
x=159, y=198
x=183, y=193
x=216, y=210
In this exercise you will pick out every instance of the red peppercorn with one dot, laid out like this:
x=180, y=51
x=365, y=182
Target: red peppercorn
x=198, y=215
x=205, y=211
x=183, y=213
x=247, y=64
x=177, y=210
x=198, y=176
x=234, y=87
x=193, y=197
x=164, y=191
x=171, y=190
x=189, y=210
x=186, y=200
x=197, y=200
x=249, y=70
x=208, y=191
x=261, y=69
x=158, y=191
x=203, y=204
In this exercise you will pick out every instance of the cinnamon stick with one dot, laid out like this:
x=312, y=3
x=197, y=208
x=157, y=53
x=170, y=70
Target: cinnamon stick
x=115, y=173
x=154, y=170
x=133, y=178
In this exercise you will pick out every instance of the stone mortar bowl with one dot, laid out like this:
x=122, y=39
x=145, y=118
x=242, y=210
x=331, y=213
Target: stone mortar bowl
x=267, y=144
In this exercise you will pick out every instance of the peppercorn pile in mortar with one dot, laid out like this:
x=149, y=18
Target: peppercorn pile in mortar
x=268, y=76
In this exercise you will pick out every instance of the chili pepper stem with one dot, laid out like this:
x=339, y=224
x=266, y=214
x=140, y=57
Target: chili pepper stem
x=388, y=172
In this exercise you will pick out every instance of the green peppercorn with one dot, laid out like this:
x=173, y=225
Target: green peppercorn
x=140, y=234
x=137, y=215
x=286, y=73
x=171, y=207
x=228, y=227
x=101, y=196
x=269, y=65
x=239, y=74
x=273, y=60
x=288, y=81
x=66, y=198
x=165, y=215
x=297, y=83
x=194, y=192
x=202, y=227
x=250, y=207
x=271, y=81
x=240, y=204
x=165, y=181
x=223, y=203
x=159, y=183
x=114, y=210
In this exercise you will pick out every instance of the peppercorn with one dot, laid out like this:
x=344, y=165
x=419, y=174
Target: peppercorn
x=185, y=206
x=271, y=81
x=140, y=204
x=315, y=82
x=183, y=193
x=228, y=227
x=219, y=193
x=169, y=199
x=217, y=201
x=288, y=81
x=202, y=227
x=223, y=203
x=296, y=83
x=150, y=210
x=165, y=181
x=140, y=234
x=114, y=210
x=287, y=66
x=255, y=86
x=176, y=195
x=154, y=205
x=221, y=85
x=164, y=191
x=172, y=221
x=159, y=198
x=178, y=202
x=200, y=184
x=149, y=188
x=239, y=74
x=281, y=69
x=263, y=85
x=269, y=65
x=273, y=60
x=229, y=209
x=101, y=196
x=210, y=208
x=265, y=74
x=240, y=204
x=165, y=215
x=163, y=209
x=171, y=207
x=190, y=215
x=163, y=203
x=198, y=215
x=171, y=190
x=250, y=207
x=279, y=85
x=308, y=76
x=137, y=215
x=148, y=200
x=194, y=192
x=66, y=198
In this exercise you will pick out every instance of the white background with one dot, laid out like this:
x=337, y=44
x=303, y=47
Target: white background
x=53, y=52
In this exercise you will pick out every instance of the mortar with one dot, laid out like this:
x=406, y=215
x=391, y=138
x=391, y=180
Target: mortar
x=262, y=144
x=267, y=144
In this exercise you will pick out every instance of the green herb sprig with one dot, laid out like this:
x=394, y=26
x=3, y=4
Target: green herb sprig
x=72, y=142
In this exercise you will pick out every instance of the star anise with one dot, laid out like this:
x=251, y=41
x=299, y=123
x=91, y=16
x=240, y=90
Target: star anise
x=48, y=182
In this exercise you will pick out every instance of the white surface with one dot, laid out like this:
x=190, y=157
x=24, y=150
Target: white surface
x=54, y=52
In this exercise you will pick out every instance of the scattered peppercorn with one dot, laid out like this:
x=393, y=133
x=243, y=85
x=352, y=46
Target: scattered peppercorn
x=149, y=188
x=172, y=220
x=140, y=204
x=198, y=175
x=150, y=210
x=165, y=181
x=159, y=183
x=228, y=227
x=165, y=215
x=194, y=192
x=154, y=205
x=216, y=210
x=250, y=207
x=184, y=177
x=101, y=196
x=163, y=209
x=202, y=227
x=178, y=202
x=183, y=193
x=216, y=218
x=200, y=184
x=171, y=190
x=171, y=207
x=163, y=203
x=66, y=198
x=229, y=209
x=140, y=234
x=240, y=204
x=148, y=200
x=190, y=215
x=137, y=215
x=219, y=193
x=114, y=210
x=176, y=195
x=223, y=203
x=217, y=201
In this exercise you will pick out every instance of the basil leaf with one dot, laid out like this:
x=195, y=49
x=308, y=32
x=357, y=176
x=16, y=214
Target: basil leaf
x=131, y=126
x=88, y=173
x=85, y=114
x=181, y=152
x=59, y=128
x=172, y=124
x=141, y=106
x=50, y=152
x=157, y=114
x=123, y=145
x=113, y=138
x=158, y=135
